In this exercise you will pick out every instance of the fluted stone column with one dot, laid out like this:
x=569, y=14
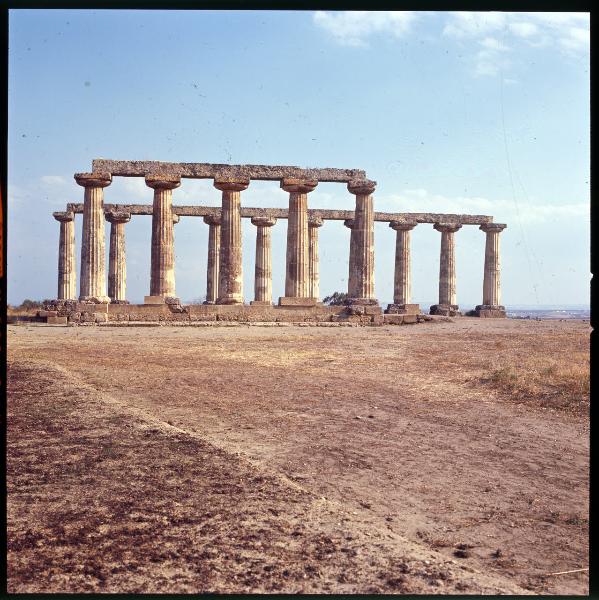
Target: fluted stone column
x=67, y=284
x=447, y=276
x=93, y=248
x=314, y=265
x=491, y=306
x=362, y=282
x=402, y=283
x=349, y=223
x=162, y=269
x=230, y=287
x=213, y=259
x=117, y=263
x=263, y=269
x=297, y=283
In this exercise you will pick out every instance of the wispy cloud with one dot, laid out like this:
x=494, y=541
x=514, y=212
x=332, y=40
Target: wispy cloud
x=353, y=28
x=502, y=210
x=567, y=32
x=53, y=180
x=495, y=33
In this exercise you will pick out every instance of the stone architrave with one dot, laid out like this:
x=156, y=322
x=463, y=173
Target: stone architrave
x=361, y=289
x=402, y=283
x=117, y=263
x=67, y=284
x=314, y=264
x=349, y=223
x=491, y=306
x=447, y=273
x=263, y=269
x=212, y=268
x=297, y=282
x=162, y=269
x=230, y=287
x=93, y=262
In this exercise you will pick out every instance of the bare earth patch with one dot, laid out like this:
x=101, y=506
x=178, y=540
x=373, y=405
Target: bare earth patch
x=437, y=458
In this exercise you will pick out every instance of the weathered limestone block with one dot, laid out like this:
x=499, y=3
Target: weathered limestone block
x=57, y=320
x=93, y=268
x=447, y=274
x=67, y=285
x=297, y=284
x=263, y=268
x=162, y=269
x=362, y=282
x=117, y=262
x=230, y=287
x=212, y=270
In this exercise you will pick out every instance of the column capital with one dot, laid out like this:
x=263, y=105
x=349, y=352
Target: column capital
x=93, y=179
x=349, y=223
x=402, y=225
x=64, y=217
x=231, y=184
x=116, y=216
x=212, y=220
x=315, y=221
x=361, y=187
x=492, y=227
x=263, y=221
x=298, y=186
x=163, y=182
x=447, y=227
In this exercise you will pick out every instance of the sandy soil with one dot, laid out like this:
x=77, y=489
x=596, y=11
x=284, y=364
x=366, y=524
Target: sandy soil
x=288, y=459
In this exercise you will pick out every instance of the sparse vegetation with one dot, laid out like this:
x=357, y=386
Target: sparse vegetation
x=336, y=299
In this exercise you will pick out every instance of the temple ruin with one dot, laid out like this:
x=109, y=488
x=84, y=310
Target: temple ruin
x=99, y=302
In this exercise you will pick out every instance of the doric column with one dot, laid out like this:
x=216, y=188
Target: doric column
x=362, y=290
x=349, y=223
x=213, y=259
x=67, y=285
x=162, y=269
x=491, y=306
x=447, y=277
x=230, y=287
x=263, y=270
x=93, y=268
x=297, y=284
x=117, y=264
x=402, y=283
x=314, y=264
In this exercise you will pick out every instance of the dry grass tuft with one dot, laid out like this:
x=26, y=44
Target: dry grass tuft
x=547, y=383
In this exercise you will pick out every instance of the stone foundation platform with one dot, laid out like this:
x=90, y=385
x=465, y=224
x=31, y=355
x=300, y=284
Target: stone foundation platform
x=488, y=311
x=445, y=310
x=71, y=312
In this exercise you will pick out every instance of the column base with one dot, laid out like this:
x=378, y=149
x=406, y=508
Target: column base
x=95, y=299
x=260, y=303
x=445, y=310
x=161, y=300
x=490, y=311
x=119, y=301
x=229, y=301
x=298, y=301
x=209, y=302
x=403, y=309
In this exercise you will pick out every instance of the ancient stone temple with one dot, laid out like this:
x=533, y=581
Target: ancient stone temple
x=102, y=297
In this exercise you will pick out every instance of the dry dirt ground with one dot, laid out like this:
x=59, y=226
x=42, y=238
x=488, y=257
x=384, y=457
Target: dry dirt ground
x=443, y=457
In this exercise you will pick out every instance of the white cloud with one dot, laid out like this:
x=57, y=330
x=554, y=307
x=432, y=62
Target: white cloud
x=503, y=211
x=470, y=24
x=523, y=29
x=352, y=28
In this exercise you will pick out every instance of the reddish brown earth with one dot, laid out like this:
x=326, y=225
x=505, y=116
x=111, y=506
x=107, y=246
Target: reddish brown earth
x=433, y=458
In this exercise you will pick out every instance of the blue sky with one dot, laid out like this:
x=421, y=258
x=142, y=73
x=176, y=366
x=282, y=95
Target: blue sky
x=484, y=113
